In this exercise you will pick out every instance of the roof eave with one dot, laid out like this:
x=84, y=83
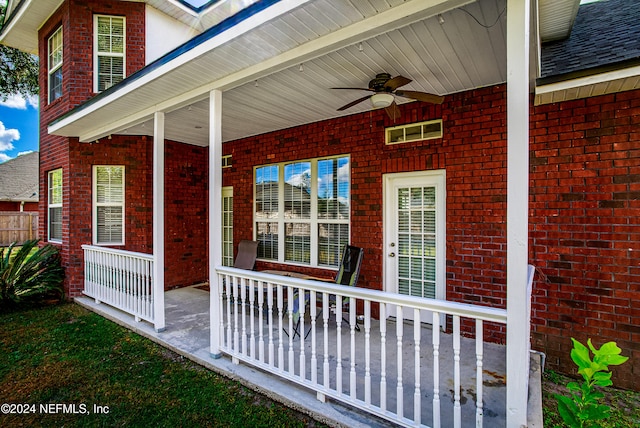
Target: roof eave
x=608, y=79
x=20, y=29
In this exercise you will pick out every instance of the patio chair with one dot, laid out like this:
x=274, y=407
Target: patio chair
x=348, y=274
x=246, y=257
x=247, y=254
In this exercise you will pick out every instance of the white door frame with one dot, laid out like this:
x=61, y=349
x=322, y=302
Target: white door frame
x=391, y=182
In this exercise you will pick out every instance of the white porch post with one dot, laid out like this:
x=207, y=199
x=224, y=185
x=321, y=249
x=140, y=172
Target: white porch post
x=215, y=215
x=518, y=344
x=158, y=221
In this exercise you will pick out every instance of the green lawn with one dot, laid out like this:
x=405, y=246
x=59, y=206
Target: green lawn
x=65, y=355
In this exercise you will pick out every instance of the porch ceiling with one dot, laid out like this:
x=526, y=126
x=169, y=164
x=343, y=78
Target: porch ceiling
x=335, y=44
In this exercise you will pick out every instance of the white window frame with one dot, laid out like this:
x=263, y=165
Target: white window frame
x=53, y=65
x=313, y=221
x=53, y=205
x=97, y=54
x=400, y=134
x=96, y=205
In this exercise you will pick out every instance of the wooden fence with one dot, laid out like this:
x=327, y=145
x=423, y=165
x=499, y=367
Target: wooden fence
x=17, y=227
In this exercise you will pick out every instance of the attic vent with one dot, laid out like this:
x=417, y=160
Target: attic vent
x=414, y=132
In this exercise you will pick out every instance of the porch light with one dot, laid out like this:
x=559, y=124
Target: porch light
x=381, y=100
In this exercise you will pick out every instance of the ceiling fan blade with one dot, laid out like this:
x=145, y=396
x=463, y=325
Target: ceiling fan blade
x=359, y=89
x=421, y=96
x=352, y=103
x=396, y=82
x=393, y=111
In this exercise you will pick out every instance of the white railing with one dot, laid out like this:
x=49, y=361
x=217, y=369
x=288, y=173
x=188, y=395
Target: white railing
x=382, y=368
x=122, y=279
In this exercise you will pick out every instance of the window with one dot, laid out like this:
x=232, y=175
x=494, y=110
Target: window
x=54, y=59
x=302, y=211
x=55, y=205
x=414, y=132
x=108, y=205
x=226, y=161
x=227, y=226
x=109, y=48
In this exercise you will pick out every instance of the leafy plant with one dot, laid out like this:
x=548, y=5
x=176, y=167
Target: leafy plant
x=28, y=272
x=583, y=408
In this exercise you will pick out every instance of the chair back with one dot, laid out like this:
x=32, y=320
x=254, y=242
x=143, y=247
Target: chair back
x=247, y=254
x=350, y=265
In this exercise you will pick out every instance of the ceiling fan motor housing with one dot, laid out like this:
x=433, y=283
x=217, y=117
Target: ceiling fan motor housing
x=377, y=84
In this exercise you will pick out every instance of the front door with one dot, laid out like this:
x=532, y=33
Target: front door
x=414, y=236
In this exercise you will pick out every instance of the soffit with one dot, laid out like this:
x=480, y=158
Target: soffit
x=338, y=44
x=23, y=21
x=556, y=18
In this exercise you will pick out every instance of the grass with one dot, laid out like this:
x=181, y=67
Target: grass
x=65, y=354
x=625, y=405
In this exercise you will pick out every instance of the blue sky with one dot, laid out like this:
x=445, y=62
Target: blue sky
x=18, y=126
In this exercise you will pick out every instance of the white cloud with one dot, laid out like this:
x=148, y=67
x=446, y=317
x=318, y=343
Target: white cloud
x=19, y=102
x=7, y=136
x=4, y=158
x=24, y=153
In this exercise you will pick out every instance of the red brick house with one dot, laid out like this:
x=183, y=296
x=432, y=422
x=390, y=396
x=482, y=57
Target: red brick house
x=159, y=119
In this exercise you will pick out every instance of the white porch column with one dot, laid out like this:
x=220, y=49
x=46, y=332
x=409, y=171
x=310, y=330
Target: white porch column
x=158, y=221
x=518, y=330
x=215, y=215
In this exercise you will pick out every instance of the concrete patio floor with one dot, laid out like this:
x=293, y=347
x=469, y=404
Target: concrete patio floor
x=187, y=333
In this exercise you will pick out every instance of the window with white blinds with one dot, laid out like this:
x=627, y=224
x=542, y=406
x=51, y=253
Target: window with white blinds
x=54, y=64
x=55, y=205
x=109, y=51
x=108, y=205
x=302, y=211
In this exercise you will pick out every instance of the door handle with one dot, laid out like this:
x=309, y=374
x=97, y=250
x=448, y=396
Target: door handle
x=392, y=254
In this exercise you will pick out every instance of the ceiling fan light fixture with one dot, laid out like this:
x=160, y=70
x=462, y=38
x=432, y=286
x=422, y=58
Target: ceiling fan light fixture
x=381, y=100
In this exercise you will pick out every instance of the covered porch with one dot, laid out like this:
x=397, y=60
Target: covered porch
x=462, y=399
x=412, y=361
x=393, y=367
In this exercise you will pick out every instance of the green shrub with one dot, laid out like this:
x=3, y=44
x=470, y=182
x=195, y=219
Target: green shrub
x=583, y=408
x=29, y=273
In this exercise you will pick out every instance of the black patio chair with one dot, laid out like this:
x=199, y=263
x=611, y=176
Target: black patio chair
x=348, y=274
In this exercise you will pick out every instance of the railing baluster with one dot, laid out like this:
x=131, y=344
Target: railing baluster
x=325, y=333
x=383, y=357
x=479, y=364
x=417, y=403
x=435, y=331
x=457, y=420
x=399, y=388
x=352, y=328
x=314, y=359
x=339, y=344
x=270, y=316
x=301, y=312
x=261, y=321
x=280, y=327
x=290, y=302
x=221, y=303
x=236, y=309
x=243, y=299
x=229, y=293
x=252, y=302
x=367, y=352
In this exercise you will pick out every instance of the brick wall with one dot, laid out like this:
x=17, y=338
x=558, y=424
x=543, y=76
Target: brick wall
x=585, y=227
x=15, y=206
